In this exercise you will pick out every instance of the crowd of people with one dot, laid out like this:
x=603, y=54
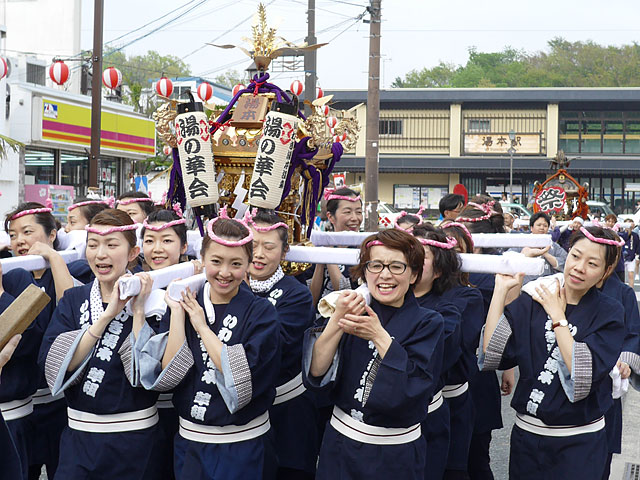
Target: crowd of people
x=385, y=369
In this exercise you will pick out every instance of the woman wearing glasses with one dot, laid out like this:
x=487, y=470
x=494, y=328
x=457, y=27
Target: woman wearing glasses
x=380, y=364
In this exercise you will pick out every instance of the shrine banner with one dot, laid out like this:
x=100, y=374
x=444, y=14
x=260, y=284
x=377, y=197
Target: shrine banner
x=551, y=199
x=273, y=159
x=196, y=155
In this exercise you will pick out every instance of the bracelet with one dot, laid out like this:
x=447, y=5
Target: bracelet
x=91, y=334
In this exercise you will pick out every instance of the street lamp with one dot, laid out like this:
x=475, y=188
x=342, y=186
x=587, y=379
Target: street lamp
x=511, y=151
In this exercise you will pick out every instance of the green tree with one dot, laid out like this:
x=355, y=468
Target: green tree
x=139, y=71
x=563, y=64
x=230, y=78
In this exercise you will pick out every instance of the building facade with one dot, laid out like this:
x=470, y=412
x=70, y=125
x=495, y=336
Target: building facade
x=55, y=128
x=432, y=139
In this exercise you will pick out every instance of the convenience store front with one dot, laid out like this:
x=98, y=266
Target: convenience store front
x=57, y=150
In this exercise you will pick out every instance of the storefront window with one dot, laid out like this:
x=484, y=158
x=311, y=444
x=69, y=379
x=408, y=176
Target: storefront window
x=39, y=167
x=108, y=177
x=75, y=171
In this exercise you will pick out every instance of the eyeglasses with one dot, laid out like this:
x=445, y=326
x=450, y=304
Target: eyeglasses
x=396, y=268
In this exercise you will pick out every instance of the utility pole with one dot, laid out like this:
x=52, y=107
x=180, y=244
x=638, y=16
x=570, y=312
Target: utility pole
x=96, y=92
x=373, y=119
x=310, y=57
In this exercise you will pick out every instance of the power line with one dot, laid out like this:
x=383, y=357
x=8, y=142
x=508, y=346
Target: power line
x=151, y=22
x=348, y=3
x=357, y=20
x=223, y=33
x=201, y=2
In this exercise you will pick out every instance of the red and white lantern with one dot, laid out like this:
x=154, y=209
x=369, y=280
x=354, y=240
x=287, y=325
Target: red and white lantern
x=237, y=88
x=296, y=87
x=164, y=87
x=205, y=92
x=324, y=110
x=59, y=72
x=342, y=137
x=166, y=150
x=319, y=92
x=3, y=68
x=112, y=78
x=332, y=122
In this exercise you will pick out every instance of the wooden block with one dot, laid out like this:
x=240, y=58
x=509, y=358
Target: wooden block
x=250, y=111
x=21, y=313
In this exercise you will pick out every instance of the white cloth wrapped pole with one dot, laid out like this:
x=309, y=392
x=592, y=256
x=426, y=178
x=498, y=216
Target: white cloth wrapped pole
x=75, y=240
x=36, y=262
x=327, y=304
x=272, y=159
x=494, y=240
x=510, y=240
x=194, y=283
x=508, y=263
x=338, y=256
x=194, y=243
x=130, y=286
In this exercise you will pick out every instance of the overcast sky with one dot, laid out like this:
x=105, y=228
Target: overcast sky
x=415, y=33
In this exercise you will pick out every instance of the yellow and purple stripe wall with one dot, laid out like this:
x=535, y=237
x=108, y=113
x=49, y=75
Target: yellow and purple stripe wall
x=66, y=123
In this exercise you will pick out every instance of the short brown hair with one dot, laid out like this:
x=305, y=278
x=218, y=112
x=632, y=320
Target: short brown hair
x=395, y=240
x=228, y=229
x=611, y=216
x=117, y=218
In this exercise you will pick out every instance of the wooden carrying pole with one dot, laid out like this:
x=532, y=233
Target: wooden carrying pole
x=21, y=313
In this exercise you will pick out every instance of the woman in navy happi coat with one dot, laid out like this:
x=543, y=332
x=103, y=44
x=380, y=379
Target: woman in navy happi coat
x=293, y=415
x=87, y=354
x=381, y=368
x=32, y=231
x=221, y=357
x=440, y=272
x=565, y=342
x=620, y=291
x=11, y=468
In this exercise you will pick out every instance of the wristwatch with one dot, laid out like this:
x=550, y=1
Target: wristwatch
x=561, y=323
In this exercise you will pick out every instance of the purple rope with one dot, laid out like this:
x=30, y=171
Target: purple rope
x=265, y=88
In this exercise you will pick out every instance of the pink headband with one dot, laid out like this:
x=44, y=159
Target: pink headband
x=331, y=196
x=597, y=223
x=264, y=229
x=31, y=212
x=462, y=226
x=110, y=202
x=157, y=228
x=122, y=228
x=405, y=214
x=229, y=243
x=373, y=243
x=604, y=241
x=451, y=242
x=127, y=201
x=487, y=208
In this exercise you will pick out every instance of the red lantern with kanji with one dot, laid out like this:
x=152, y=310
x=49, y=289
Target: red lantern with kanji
x=3, y=68
x=205, y=92
x=296, y=87
x=164, y=87
x=112, y=78
x=319, y=92
x=332, y=122
x=59, y=72
x=237, y=88
x=166, y=150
